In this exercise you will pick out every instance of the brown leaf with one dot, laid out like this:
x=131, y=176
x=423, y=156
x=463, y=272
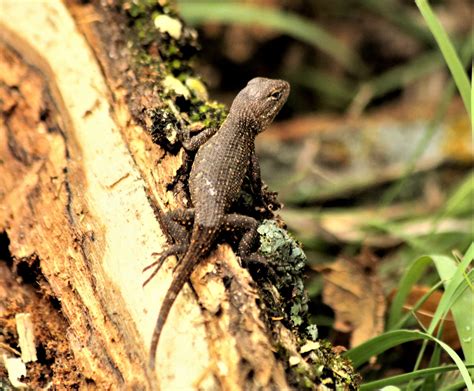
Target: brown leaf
x=352, y=289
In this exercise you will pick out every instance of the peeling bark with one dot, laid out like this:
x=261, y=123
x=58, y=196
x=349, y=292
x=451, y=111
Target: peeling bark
x=80, y=182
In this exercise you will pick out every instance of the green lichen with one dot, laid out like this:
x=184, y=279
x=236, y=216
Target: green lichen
x=288, y=261
x=316, y=363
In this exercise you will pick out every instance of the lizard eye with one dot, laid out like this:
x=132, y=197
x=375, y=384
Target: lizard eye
x=276, y=95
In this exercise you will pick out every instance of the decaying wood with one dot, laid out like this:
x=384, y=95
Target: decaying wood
x=79, y=181
x=26, y=337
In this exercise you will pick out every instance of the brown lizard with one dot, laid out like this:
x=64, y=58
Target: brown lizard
x=223, y=159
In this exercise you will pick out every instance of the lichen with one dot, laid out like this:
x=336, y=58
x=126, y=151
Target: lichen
x=315, y=363
x=288, y=260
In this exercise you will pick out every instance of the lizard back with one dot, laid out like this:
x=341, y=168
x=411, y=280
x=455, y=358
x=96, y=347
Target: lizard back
x=218, y=172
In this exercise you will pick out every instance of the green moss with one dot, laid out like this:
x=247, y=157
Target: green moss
x=209, y=113
x=160, y=42
x=163, y=49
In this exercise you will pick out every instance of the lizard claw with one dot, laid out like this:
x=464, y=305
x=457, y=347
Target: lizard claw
x=160, y=260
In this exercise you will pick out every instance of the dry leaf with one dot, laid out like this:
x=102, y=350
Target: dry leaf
x=353, y=291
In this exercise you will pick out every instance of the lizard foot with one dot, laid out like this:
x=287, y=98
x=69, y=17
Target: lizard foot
x=177, y=249
x=258, y=262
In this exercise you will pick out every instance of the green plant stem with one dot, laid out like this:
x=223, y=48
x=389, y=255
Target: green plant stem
x=399, y=379
x=449, y=53
x=442, y=106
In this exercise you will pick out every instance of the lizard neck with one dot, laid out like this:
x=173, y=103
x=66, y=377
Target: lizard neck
x=243, y=122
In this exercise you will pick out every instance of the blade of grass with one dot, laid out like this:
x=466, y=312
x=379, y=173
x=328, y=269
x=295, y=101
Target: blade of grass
x=400, y=379
x=451, y=286
x=447, y=301
x=410, y=277
x=442, y=106
x=430, y=382
x=449, y=54
x=383, y=342
x=401, y=322
x=283, y=21
x=449, y=297
x=462, y=308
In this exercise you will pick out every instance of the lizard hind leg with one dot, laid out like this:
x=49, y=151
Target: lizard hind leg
x=175, y=222
x=248, y=226
x=177, y=249
x=248, y=242
x=178, y=223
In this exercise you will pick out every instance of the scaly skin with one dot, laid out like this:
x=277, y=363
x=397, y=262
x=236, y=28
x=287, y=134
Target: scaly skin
x=215, y=181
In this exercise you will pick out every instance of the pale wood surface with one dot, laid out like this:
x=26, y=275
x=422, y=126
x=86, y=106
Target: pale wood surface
x=76, y=188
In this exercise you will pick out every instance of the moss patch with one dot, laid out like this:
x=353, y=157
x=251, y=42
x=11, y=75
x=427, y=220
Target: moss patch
x=163, y=49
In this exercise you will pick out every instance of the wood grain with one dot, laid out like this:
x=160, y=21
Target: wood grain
x=79, y=186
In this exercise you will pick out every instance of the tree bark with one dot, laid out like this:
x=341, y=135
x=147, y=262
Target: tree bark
x=80, y=182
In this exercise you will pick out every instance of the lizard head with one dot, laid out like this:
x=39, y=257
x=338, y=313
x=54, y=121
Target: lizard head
x=261, y=100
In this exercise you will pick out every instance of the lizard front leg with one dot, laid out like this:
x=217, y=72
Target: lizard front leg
x=265, y=198
x=195, y=142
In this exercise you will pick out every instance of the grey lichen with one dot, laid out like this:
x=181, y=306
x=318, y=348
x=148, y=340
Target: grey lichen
x=315, y=363
x=288, y=261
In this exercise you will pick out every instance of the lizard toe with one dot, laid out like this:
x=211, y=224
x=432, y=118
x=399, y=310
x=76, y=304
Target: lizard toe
x=177, y=249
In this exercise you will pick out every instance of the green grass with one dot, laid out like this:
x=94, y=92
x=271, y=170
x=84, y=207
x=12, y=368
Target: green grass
x=458, y=298
x=449, y=53
x=406, y=377
x=285, y=22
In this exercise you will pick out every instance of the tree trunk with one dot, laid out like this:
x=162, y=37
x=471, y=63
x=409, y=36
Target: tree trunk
x=80, y=182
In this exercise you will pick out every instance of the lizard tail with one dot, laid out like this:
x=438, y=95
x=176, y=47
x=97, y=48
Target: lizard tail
x=198, y=248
